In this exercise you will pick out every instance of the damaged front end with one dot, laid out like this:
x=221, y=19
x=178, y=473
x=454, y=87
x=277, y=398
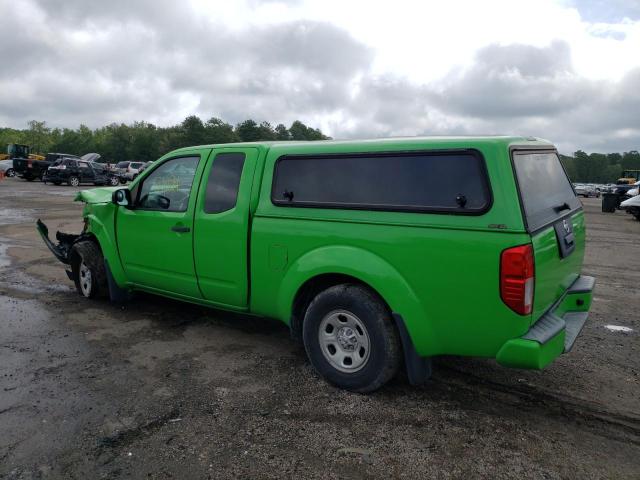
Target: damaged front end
x=61, y=250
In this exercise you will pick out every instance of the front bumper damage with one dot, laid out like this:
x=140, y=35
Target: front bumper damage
x=61, y=250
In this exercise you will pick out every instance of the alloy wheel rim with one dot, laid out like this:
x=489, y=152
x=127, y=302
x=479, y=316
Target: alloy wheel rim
x=344, y=341
x=85, y=279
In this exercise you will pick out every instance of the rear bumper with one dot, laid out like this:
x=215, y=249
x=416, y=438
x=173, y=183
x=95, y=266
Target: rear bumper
x=554, y=333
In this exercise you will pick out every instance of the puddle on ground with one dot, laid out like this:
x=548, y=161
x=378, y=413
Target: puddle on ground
x=12, y=216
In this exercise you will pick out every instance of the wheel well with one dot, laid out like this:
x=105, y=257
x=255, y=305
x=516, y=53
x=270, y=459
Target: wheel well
x=89, y=237
x=312, y=287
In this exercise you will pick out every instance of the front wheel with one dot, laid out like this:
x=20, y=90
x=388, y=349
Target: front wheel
x=114, y=182
x=350, y=338
x=87, y=268
x=73, y=181
x=10, y=173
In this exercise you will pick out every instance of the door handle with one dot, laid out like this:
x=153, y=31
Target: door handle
x=180, y=229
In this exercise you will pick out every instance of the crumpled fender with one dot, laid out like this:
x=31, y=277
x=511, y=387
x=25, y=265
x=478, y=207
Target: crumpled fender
x=369, y=269
x=100, y=223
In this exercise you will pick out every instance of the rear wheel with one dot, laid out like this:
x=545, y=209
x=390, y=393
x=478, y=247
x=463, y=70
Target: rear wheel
x=350, y=338
x=73, y=181
x=87, y=267
x=10, y=172
x=114, y=182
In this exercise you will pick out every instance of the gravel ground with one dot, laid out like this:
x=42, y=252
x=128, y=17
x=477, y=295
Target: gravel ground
x=162, y=389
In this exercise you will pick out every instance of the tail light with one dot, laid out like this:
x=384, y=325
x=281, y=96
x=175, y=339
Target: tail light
x=517, y=278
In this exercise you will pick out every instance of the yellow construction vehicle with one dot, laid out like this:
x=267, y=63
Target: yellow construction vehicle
x=629, y=177
x=16, y=150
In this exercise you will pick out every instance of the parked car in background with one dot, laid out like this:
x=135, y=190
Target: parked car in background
x=133, y=170
x=144, y=167
x=586, y=190
x=31, y=169
x=6, y=166
x=357, y=246
x=632, y=206
x=74, y=171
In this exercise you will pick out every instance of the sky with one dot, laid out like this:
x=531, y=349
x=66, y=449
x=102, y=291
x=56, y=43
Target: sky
x=564, y=70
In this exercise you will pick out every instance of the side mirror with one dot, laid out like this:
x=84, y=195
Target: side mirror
x=121, y=197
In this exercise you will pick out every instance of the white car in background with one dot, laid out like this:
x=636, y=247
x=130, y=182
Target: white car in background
x=585, y=190
x=133, y=169
x=632, y=205
x=6, y=166
x=634, y=191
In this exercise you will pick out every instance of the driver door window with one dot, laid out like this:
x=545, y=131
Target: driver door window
x=168, y=187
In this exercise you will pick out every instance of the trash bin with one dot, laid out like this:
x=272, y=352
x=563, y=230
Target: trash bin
x=610, y=201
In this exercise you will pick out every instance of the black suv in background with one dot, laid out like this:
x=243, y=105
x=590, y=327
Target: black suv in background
x=74, y=171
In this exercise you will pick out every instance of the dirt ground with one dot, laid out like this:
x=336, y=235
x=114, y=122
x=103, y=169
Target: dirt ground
x=162, y=389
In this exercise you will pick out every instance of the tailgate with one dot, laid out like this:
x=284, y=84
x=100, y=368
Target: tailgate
x=20, y=164
x=555, y=220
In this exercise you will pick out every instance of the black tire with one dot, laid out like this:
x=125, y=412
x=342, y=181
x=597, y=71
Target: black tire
x=385, y=351
x=73, y=180
x=114, y=182
x=122, y=181
x=10, y=173
x=87, y=254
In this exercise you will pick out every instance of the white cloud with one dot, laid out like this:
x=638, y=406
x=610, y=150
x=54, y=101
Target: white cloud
x=563, y=69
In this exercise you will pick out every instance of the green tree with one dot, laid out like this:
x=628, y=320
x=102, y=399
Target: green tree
x=266, y=131
x=193, y=132
x=37, y=136
x=248, y=131
x=218, y=131
x=299, y=131
x=282, y=132
x=631, y=160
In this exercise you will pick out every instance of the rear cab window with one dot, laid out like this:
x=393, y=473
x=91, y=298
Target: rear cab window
x=435, y=182
x=545, y=190
x=224, y=182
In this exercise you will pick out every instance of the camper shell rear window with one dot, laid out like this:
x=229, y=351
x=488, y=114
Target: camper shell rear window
x=425, y=181
x=545, y=191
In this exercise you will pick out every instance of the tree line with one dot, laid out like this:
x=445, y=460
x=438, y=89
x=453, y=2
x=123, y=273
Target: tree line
x=599, y=167
x=143, y=141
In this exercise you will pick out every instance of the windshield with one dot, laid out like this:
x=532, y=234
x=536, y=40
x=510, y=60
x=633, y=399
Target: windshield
x=544, y=188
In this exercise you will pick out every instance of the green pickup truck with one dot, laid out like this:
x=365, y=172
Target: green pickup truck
x=377, y=254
